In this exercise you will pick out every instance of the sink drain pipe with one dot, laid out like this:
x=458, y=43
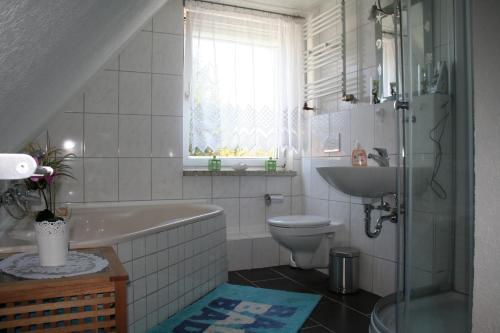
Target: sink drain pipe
x=385, y=207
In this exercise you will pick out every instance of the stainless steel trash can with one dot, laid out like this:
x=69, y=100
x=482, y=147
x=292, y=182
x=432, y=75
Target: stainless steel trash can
x=344, y=270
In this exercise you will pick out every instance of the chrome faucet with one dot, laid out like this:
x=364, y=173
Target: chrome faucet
x=382, y=158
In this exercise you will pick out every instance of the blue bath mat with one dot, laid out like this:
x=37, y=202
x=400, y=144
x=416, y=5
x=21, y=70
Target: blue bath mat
x=240, y=309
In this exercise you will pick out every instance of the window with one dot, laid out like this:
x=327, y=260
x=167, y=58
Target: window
x=238, y=101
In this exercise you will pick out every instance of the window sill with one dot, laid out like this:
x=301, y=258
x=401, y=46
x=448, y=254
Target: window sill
x=231, y=172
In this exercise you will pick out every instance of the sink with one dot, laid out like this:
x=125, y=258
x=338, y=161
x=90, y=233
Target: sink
x=370, y=182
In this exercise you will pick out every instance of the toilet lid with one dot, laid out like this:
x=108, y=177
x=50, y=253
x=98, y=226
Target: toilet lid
x=299, y=221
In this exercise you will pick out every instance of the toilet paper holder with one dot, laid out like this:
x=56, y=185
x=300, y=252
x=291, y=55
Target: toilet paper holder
x=274, y=198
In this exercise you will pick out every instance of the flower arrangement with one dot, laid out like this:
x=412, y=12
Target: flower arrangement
x=45, y=184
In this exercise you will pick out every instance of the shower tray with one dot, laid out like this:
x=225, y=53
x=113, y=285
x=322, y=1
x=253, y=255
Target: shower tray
x=444, y=312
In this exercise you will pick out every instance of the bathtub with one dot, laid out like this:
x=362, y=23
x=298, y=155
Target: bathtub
x=94, y=225
x=174, y=253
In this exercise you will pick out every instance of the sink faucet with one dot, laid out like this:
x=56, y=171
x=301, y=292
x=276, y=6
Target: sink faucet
x=382, y=158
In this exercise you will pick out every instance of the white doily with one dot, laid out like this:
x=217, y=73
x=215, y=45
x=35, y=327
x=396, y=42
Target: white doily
x=27, y=266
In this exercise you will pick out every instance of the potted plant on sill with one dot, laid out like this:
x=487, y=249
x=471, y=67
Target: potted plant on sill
x=51, y=231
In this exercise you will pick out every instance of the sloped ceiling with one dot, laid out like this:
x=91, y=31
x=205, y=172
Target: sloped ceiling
x=49, y=49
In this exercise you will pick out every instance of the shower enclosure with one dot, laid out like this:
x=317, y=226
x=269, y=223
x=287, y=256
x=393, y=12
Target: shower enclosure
x=436, y=195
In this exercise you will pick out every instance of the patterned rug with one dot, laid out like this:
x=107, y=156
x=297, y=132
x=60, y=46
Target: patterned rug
x=240, y=309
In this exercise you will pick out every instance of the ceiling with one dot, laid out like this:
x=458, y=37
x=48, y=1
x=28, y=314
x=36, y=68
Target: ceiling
x=291, y=7
x=48, y=51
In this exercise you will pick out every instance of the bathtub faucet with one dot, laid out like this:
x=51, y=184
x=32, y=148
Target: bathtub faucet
x=20, y=198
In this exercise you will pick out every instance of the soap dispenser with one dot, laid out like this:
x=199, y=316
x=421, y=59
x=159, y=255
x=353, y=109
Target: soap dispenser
x=359, y=156
x=214, y=164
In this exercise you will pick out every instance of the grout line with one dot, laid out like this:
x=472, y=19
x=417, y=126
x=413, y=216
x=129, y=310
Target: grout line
x=320, y=293
x=247, y=280
x=265, y=280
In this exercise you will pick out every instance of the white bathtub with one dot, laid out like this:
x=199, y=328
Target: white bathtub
x=94, y=225
x=174, y=253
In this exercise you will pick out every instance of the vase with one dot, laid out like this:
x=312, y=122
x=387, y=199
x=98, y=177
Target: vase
x=52, y=242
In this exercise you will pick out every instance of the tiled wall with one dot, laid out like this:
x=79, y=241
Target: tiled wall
x=246, y=212
x=126, y=126
x=171, y=269
x=371, y=126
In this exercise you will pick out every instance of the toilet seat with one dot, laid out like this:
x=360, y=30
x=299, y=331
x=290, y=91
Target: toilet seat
x=299, y=221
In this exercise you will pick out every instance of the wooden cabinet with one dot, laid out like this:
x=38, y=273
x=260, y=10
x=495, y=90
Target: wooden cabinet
x=87, y=303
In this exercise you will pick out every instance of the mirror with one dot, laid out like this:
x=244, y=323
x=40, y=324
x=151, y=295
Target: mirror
x=385, y=49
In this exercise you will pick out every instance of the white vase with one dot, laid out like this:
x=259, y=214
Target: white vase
x=52, y=242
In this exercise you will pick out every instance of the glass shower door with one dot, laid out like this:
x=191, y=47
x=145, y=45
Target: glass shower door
x=434, y=278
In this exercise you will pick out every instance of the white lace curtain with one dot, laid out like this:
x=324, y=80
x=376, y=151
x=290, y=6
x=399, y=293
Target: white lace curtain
x=243, y=81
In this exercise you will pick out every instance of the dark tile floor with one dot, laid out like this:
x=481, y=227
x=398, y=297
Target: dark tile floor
x=334, y=313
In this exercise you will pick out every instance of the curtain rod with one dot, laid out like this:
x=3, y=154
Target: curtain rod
x=248, y=8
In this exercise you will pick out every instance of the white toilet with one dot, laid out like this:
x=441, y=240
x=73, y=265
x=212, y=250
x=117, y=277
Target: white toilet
x=308, y=237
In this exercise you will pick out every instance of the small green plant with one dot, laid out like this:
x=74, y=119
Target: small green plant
x=45, y=184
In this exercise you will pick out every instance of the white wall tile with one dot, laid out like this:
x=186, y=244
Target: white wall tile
x=298, y=205
x=167, y=95
x=167, y=136
x=252, y=186
x=170, y=18
x=319, y=186
x=232, y=211
x=385, y=244
x=138, y=269
x=226, y=187
x=125, y=251
x=384, y=277
x=151, y=244
x=66, y=132
x=265, y=252
x=385, y=127
x=340, y=212
x=101, y=93
x=137, y=53
x=134, y=93
x=366, y=272
x=68, y=189
x=358, y=237
x=134, y=179
x=316, y=207
x=101, y=179
x=279, y=208
x=239, y=254
x=166, y=178
x=196, y=187
x=297, y=181
x=366, y=45
x=362, y=127
x=340, y=123
x=134, y=136
x=101, y=135
x=279, y=185
x=168, y=53
x=252, y=215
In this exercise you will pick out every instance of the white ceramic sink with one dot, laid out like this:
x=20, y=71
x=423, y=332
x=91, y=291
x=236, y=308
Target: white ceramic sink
x=371, y=182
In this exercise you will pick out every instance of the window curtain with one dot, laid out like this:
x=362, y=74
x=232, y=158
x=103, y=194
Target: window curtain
x=243, y=81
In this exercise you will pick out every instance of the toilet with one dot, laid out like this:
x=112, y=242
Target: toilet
x=308, y=237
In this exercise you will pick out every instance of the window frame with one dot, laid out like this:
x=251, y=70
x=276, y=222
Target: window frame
x=202, y=161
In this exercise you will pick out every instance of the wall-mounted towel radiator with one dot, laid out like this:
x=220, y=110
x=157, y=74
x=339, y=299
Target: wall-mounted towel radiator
x=325, y=55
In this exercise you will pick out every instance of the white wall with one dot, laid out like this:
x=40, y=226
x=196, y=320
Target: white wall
x=486, y=51
x=49, y=50
x=126, y=125
x=372, y=126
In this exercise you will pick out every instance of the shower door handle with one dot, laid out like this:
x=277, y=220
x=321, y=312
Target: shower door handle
x=400, y=105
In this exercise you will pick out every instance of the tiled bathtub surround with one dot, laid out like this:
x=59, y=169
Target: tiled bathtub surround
x=171, y=269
